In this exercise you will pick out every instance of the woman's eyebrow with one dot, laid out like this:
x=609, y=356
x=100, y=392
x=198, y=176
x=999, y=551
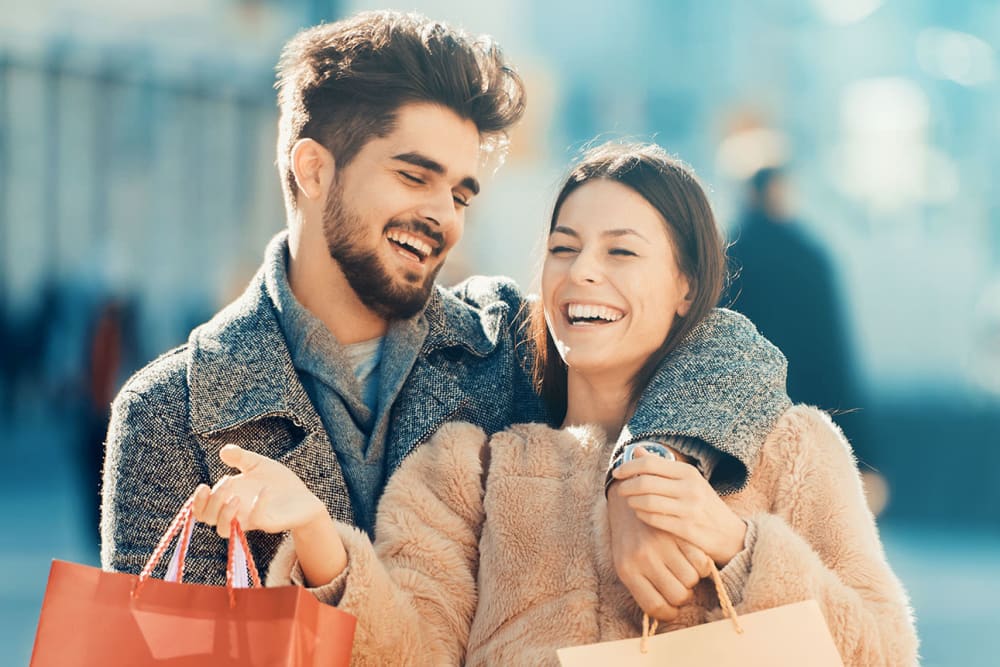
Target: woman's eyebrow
x=624, y=231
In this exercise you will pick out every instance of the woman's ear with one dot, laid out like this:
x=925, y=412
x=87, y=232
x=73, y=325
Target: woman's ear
x=313, y=167
x=684, y=307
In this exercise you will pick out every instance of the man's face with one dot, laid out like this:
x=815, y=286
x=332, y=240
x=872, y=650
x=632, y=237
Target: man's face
x=394, y=213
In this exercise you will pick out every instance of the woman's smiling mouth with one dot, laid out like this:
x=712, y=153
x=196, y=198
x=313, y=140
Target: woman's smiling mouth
x=589, y=314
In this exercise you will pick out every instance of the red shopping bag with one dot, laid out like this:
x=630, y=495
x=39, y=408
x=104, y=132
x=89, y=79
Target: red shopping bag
x=92, y=618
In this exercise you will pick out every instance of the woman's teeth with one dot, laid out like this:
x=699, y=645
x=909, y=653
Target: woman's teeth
x=580, y=313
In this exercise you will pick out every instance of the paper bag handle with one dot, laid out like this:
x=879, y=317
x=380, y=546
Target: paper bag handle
x=183, y=523
x=649, y=629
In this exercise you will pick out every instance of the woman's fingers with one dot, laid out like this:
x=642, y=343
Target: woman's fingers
x=655, y=465
x=655, y=504
x=642, y=485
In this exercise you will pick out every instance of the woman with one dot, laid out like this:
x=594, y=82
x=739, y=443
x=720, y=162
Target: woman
x=496, y=551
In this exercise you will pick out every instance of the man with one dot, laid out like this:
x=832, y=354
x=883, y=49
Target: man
x=342, y=355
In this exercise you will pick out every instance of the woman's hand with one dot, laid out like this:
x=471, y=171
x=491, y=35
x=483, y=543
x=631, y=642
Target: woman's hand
x=264, y=496
x=674, y=497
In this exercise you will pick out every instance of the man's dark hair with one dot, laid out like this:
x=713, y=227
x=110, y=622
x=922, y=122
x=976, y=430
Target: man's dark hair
x=342, y=83
x=670, y=187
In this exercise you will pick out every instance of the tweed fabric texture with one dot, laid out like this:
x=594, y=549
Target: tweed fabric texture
x=234, y=382
x=724, y=386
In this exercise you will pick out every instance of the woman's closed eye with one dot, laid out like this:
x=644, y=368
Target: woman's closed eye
x=622, y=252
x=562, y=250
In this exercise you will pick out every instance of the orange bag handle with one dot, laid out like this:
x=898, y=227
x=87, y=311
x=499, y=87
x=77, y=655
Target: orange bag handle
x=649, y=629
x=183, y=523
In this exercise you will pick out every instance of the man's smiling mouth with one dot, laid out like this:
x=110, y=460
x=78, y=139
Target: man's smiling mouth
x=409, y=245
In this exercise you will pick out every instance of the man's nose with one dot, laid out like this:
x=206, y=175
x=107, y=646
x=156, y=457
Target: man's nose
x=440, y=211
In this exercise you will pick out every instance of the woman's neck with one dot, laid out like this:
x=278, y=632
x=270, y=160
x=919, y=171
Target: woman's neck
x=602, y=401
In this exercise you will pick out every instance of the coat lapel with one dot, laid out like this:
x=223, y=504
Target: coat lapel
x=245, y=391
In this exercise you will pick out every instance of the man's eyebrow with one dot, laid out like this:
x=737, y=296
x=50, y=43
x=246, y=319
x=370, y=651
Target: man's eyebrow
x=424, y=162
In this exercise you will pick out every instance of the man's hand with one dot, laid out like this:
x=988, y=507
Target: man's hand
x=268, y=496
x=660, y=570
x=264, y=496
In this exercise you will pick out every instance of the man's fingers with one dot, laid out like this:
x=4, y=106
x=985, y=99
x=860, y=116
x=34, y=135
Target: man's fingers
x=201, y=495
x=650, y=600
x=242, y=459
x=674, y=577
x=699, y=559
x=226, y=515
x=220, y=493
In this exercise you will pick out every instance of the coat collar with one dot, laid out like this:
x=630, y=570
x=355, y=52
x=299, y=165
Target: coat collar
x=241, y=370
x=453, y=323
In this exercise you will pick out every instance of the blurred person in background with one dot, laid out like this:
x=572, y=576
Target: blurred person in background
x=785, y=282
x=110, y=350
x=485, y=545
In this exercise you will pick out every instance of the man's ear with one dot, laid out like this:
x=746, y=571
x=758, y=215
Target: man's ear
x=313, y=167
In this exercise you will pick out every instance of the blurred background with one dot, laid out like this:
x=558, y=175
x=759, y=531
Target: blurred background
x=847, y=146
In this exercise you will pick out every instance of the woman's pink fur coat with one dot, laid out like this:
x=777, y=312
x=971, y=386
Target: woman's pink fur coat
x=506, y=577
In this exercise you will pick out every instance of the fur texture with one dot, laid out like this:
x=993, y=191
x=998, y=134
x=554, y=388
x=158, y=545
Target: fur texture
x=507, y=576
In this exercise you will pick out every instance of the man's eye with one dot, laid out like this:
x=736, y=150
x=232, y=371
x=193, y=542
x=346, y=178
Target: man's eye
x=464, y=203
x=411, y=178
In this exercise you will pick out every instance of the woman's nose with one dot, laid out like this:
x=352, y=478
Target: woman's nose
x=585, y=269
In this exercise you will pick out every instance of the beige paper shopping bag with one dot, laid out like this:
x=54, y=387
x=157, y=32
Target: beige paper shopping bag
x=792, y=635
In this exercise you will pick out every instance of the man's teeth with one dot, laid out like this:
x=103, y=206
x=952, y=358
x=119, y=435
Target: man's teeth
x=579, y=311
x=421, y=247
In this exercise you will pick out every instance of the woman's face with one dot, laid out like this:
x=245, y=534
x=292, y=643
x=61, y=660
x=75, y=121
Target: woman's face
x=611, y=286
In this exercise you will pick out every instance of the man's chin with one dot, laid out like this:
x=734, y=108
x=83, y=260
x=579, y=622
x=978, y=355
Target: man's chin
x=403, y=303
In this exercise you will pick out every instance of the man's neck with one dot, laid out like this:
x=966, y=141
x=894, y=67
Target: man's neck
x=321, y=287
x=603, y=401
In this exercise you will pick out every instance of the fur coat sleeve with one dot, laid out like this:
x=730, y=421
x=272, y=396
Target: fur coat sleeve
x=818, y=540
x=414, y=591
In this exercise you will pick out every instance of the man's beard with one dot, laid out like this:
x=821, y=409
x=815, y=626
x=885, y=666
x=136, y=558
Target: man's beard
x=367, y=275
